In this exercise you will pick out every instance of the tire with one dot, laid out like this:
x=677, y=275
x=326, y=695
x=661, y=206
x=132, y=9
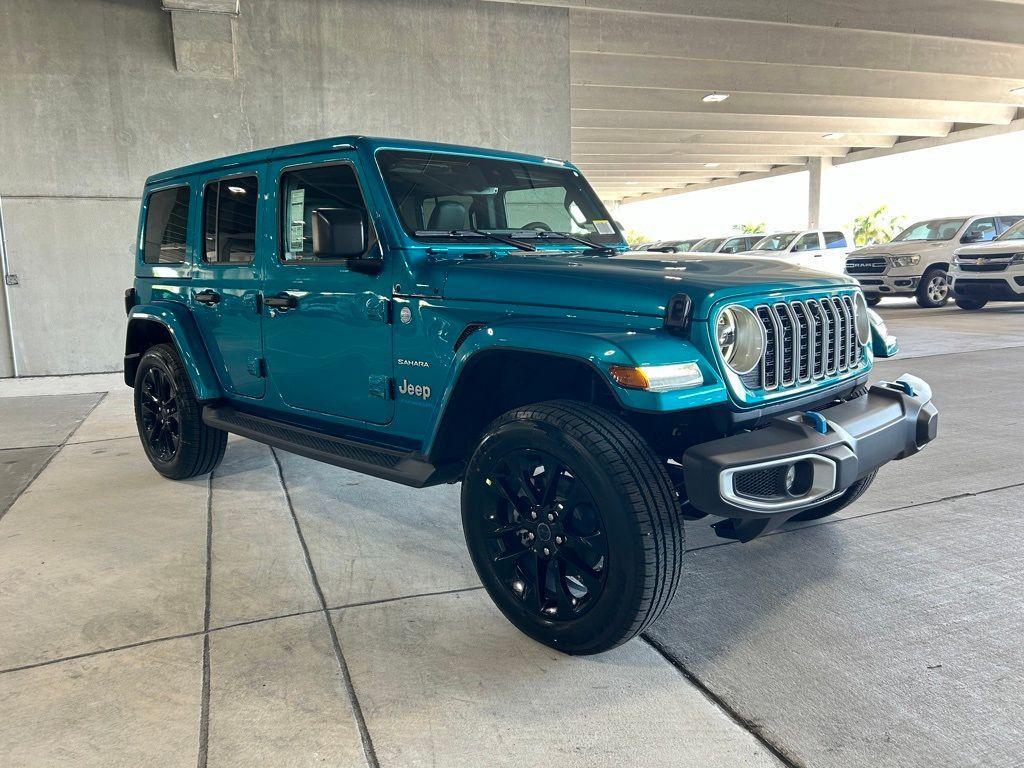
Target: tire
x=177, y=442
x=606, y=513
x=851, y=494
x=933, y=290
x=971, y=304
x=873, y=301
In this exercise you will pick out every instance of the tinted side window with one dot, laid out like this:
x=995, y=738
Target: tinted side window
x=808, y=242
x=1005, y=222
x=166, y=226
x=229, y=220
x=980, y=231
x=306, y=191
x=835, y=240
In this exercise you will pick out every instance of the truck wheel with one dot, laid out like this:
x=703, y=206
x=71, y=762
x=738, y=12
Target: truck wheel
x=873, y=300
x=933, y=290
x=851, y=494
x=971, y=303
x=573, y=525
x=179, y=445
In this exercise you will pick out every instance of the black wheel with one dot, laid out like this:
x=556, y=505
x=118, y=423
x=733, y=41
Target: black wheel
x=873, y=300
x=573, y=525
x=179, y=445
x=933, y=290
x=971, y=303
x=851, y=494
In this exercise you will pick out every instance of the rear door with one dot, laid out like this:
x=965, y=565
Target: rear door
x=225, y=285
x=328, y=348
x=806, y=251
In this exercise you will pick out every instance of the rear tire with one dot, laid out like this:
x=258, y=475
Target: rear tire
x=933, y=290
x=177, y=442
x=971, y=304
x=573, y=525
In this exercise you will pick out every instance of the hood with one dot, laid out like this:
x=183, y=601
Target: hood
x=899, y=249
x=636, y=283
x=993, y=246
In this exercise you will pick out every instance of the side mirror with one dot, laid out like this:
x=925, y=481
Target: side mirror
x=339, y=233
x=970, y=237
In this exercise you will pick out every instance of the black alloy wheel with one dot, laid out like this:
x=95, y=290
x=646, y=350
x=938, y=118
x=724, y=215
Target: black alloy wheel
x=161, y=422
x=545, y=535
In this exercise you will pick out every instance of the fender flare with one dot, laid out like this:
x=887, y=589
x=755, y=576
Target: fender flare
x=177, y=320
x=597, y=347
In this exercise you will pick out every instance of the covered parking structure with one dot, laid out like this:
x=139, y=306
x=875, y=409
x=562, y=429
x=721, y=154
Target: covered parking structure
x=649, y=97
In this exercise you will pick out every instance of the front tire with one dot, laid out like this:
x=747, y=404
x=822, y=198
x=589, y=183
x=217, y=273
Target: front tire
x=177, y=442
x=933, y=290
x=873, y=300
x=573, y=525
x=971, y=304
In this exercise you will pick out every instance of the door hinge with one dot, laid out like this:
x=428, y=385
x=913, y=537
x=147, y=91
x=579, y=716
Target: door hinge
x=257, y=367
x=259, y=303
x=379, y=308
x=382, y=387
x=11, y=279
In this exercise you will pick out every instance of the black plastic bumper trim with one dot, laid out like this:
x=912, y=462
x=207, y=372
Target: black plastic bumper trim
x=863, y=434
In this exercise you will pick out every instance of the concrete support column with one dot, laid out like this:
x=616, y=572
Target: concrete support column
x=818, y=189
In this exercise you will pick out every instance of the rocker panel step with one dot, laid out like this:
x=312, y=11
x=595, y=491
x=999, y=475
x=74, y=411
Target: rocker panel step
x=385, y=463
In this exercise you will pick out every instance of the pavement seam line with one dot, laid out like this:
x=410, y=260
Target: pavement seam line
x=233, y=625
x=88, y=413
x=346, y=677
x=204, y=701
x=752, y=728
x=838, y=520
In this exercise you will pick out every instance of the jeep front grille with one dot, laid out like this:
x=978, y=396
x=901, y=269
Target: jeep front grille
x=805, y=341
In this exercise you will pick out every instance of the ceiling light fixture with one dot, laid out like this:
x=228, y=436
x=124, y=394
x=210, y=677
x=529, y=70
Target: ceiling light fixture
x=1018, y=90
x=711, y=165
x=714, y=98
x=833, y=135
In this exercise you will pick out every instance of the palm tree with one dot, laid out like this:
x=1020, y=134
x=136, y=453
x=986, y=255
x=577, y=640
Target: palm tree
x=877, y=226
x=753, y=228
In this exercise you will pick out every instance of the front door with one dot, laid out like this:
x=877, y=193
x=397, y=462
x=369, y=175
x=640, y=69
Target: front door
x=225, y=285
x=326, y=327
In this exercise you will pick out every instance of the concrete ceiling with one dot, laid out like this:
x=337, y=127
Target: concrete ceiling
x=826, y=78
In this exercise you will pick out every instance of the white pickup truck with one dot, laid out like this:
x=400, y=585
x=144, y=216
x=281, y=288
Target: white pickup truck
x=823, y=250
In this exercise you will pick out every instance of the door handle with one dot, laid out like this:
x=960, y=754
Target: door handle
x=283, y=301
x=206, y=297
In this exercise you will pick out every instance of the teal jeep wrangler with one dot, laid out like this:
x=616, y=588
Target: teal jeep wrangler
x=432, y=314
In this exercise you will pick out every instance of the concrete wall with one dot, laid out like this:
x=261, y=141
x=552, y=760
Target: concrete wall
x=93, y=99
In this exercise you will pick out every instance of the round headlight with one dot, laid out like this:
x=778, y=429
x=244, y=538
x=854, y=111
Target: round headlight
x=740, y=337
x=861, y=318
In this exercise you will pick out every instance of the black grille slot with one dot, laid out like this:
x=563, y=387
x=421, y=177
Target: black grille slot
x=805, y=341
x=998, y=267
x=764, y=483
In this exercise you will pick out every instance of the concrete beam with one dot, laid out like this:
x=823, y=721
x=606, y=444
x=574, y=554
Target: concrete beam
x=692, y=37
x=703, y=121
x=994, y=20
x=204, y=6
x=966, y=134
x=781, y=171
x=776, y=139
x=643, y=168
x=684, y=148
x=750, y=77
x=661, y=100
x=670, y=159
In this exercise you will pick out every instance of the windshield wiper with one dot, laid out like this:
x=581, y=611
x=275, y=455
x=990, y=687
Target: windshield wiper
x=547, y=234
x=478, y=233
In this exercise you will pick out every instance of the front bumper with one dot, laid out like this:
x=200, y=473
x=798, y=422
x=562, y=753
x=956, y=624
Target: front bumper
x=888, y=285
x=745, y=476
x=991, y=286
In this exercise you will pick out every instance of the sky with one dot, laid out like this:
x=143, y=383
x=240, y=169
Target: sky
x=978, y=176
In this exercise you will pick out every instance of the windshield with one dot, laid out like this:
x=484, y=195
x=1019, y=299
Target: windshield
x=936, y=229
x=1016, y=232
x=708, y=245
x=438, y=193
x=779, y=242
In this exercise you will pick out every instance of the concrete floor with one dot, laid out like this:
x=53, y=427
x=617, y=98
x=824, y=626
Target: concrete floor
x=288, y=613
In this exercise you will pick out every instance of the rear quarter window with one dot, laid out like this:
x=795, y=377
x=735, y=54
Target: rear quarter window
x=166, y=227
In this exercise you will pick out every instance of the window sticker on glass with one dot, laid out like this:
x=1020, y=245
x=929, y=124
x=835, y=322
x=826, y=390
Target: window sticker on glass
x=296, y=219
x=604, y=227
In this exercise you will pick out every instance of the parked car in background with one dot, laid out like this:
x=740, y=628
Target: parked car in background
x=734, y=244
x=992, y=271
x=673, y=246
x=916, y=262
x=823, y=250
